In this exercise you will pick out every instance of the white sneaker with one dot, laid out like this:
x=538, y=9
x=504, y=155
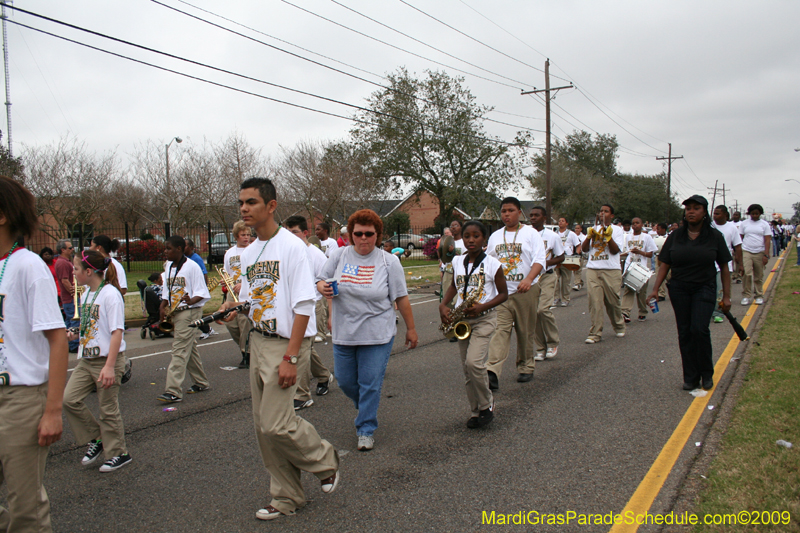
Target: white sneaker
x=204, y=336
x=365, y=443
x=318, y=339
x=759, y=301
x=551, y=352
x=745, y=301
x=539, y=356
x=564, y=303
x=212, y=332
x=590, y=341
x=621, y=334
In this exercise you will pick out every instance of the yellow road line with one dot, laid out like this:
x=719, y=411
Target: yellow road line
x=651, y=485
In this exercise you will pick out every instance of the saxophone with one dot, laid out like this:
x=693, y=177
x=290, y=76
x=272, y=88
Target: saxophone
x=458, y=327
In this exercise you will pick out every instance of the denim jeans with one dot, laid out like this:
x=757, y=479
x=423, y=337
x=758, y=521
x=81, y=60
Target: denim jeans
x=69, y=312
x=798, y=254
x=717, y=312
x=359, y=371
x=693, y=304
x=776, y=246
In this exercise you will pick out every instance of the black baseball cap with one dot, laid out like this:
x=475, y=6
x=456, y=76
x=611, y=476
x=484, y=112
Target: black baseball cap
x=696, y=199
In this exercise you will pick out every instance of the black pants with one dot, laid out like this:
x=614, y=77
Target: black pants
x=693, y=305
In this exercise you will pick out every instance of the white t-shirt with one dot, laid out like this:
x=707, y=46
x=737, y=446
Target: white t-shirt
x=232, y=263
x=28, y=306
x=105, y=317
x=552, y=246
x=600, y=257
x=753, y=233
x=517, y=251
x=327, y=246
x=189, y=280
x=458, y=249
x=317, y=260
x=278, y=283
x=489, y=291
x=643, y=242
x=569, y=241
x=732, y=238
x=122, y=279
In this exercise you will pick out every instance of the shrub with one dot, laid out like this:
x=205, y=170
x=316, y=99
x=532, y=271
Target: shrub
x=429, y=249
x=144, y=250
x=146, y=236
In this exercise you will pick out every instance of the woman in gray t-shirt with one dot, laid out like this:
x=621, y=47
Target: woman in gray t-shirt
x=362, y=318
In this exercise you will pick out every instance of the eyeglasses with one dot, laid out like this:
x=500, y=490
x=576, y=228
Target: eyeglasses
x=366, y=234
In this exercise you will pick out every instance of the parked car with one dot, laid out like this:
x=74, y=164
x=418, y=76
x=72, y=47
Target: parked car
x=220, y=244
x=410, y=241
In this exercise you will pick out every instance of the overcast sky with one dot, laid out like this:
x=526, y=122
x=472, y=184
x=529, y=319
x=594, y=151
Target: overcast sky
x=719, y=80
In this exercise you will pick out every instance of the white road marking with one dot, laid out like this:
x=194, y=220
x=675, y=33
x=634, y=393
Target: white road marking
x=169, y=351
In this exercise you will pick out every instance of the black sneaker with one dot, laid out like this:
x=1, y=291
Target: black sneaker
x=323, y=386
x=245, y=361
x=92, y=452
x=300, y=404
x=126, y=376
x=483, y=419
x=194, y=389
x=168, y=397
x=116, y=463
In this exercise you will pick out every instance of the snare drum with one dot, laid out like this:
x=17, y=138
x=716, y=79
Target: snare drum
x=636, y=276
x=572, y=262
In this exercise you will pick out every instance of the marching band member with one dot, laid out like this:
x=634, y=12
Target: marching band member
x=185, y=293
x=191, y=253
x=579, y=250
x=327, y=244
x=660, y=239
x=240, y=327
x=475, y=271
x=756, y=239
x=545, y=336
x=309, y=364
x=603, y=274
x=640, y=247
x=33, y=365
x=100, y=365
x=734, y=242
x=277, y=283
x=520, y=250
x=569, y=241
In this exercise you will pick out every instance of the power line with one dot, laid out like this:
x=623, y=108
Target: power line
x=693, y=172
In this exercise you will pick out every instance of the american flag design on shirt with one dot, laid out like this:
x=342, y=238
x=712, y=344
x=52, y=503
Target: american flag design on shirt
x=357, y=274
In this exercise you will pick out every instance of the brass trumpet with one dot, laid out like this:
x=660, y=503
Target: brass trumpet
x=76, y=296
x=228, y=281
x=166, y=325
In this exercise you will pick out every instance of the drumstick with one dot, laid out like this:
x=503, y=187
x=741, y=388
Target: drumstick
x=740, y=332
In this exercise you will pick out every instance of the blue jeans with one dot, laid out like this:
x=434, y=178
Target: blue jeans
x=798, y=254
x=776, y=246
x=359, y=371
x=69, y=311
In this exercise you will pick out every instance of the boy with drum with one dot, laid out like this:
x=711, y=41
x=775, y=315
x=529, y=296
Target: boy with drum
x=641, y=247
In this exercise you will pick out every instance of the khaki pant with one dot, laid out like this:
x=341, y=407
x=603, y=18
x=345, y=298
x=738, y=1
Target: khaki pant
x=306, y=368
x=84, y=425
x=546, y=332
x=474, y=352
x=22, y=460
x=519, y=312
x=288, y=443
x=579, y=272
x=563, y=283
x=662, y=290
x=239, y=328
x=641, y=299
x=321, y=312
x=603, y=287
x=753, y=274
x=184, y=353
x=447, y=280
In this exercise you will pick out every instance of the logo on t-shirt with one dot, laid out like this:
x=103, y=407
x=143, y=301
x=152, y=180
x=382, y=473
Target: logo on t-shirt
x=357, y=274
x=510, y=256
x=90, y=333
x=263, y=279
x=236, y=266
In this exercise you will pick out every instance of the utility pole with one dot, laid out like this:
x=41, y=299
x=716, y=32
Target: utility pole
x=669, y=159
x=546, y=91
x=713, y=198
x=8, y=86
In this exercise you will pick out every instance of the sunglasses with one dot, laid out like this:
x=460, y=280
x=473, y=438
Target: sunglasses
x=366, y=234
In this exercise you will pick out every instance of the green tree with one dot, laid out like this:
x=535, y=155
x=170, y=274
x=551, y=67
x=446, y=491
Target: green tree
x=428, y=134
x=11, y=167
x=397, y=222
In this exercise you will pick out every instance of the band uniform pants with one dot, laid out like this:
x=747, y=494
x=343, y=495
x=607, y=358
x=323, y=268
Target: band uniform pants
x=185, y=356
x=519, y=313
x=308, y=367
x=603, y=287
x=564, y=283
x=628, y=295
x=753, y=274
x=474, y=352
x=546, y=331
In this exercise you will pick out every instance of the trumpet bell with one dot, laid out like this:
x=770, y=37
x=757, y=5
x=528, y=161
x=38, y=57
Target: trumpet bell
x=166, y=326
x=462, y=331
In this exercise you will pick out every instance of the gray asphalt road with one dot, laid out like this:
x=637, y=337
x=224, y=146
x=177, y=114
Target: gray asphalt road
x=579, y=437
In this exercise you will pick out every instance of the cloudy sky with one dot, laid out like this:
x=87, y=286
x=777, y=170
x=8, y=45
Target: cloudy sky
x=719, y=80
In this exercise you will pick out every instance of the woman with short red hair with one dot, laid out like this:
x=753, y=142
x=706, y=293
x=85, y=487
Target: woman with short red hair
x=369, y=282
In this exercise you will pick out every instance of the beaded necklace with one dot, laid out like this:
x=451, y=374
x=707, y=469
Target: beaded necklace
x=262, y=251
x=8, y=258
x=86, y=311
x=516, y=234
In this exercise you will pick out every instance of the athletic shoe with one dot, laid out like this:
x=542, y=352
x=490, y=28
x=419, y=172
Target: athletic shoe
x=116, y=463
x=759, y=301
x=556, y=302
x=204, y=336
x=329, y=484
x=245, y=361
x=483, y=418
x=212, y=332
x=708, y=383
x=551, y=352
x=621, y=334
x=268, y=513
x=642, y=318
x=126, y=376
x=365, y=443
x=301, y=404
x=718, y=320
x=524, y=378
x=328, y=334
x=739, y=281
x=590, y=341
x=194, y=389
x=92, y=452
x=322, y=386
x=168, y=397
x=575, y=288
x=539, y=356
x=626, y=317
x=745, y=301
x=318, y=339
x=564, y=303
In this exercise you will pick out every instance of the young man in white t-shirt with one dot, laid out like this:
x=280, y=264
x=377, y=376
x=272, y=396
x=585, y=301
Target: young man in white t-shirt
x=326, y=244
x=756, y=241
x=641, y=248
x=277, y=282
x=520, y=250
x=239, y=328
x=734, y=242
x=604, y=275
x=184, y=293
x=570, y=242
x=579, y=233
x=312, y=364
x=545, y=335
x=33, y=365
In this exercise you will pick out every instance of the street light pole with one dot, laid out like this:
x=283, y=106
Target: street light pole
x=169, y=192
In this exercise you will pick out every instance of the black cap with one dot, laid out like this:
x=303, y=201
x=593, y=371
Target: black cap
x=697, y=199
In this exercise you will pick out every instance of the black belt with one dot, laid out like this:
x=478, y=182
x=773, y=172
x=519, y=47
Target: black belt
x=267, y=333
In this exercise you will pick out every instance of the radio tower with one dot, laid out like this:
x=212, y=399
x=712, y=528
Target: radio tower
x=8, y=86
